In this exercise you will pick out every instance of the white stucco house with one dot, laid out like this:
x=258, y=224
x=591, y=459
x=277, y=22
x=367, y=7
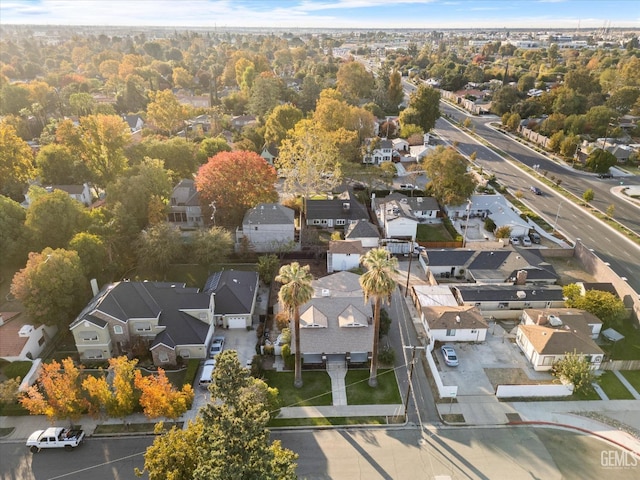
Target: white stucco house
x=495, y=207
x=380, y=153
x=453, y=324
x=344, y=255
x=22, y=340
x=364, y=231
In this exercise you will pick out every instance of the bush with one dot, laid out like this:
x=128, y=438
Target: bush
x=17, y=369
x=282, y=320
x=256, y=367
x=387, y=355
x=286, y=336
x=385, y=323
x=288, y=357
x=489, y=225
x=268, y=350
x=452, y=231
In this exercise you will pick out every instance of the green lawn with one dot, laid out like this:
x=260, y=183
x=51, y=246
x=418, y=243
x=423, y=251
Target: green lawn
x=432, y=233
x=590, y=395
x=629, y=347
x=633, y=377
x=613, y=387
x=316, y=388
x=360, y=393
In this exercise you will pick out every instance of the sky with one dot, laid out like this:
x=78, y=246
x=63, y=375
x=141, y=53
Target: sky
x=368, y=14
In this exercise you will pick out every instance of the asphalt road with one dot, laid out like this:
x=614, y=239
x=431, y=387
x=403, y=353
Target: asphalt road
x=622, y=254
x=407, y=453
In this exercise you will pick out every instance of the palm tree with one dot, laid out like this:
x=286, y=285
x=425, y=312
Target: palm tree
x=296, y=290
x=377, y=283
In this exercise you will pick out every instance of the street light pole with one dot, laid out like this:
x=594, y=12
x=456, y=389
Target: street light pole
x=406, y=290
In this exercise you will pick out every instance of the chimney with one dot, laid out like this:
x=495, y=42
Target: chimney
x=541, y=319
x=521, y=277
x=346, y=206
x=94, y=286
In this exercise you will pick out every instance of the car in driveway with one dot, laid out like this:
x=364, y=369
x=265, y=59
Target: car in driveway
x=535, y=238
x=515, y=241
x=217, y=345
x=526, y=242
x=449, y=355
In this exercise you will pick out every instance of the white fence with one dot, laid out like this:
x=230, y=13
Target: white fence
x=31, y=377
x=505, y=391
x=445, y=391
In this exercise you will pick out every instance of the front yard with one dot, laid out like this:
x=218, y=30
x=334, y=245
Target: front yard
x=613, y=387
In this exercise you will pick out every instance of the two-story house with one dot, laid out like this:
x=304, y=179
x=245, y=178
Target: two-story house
x=166, y=318
x=235, y=293
x=268, y=227
x=184, y=206
x=377, y=151
x=337, y=212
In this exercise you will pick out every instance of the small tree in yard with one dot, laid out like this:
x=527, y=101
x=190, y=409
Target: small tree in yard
x=574, y=368
x=161, y=399
x=59, y=395
x=503, y=232
x=117, y=397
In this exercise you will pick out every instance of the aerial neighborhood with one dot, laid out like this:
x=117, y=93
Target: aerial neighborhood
x=335, y=227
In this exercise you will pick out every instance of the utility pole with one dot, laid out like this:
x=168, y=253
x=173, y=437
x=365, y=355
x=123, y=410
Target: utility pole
x=413, y=358
x=406, y=290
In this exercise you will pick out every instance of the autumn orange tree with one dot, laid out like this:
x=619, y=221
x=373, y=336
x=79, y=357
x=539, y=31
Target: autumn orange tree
x=159, y=398
x=59, y=395
x=117, y=398
x=235, y=182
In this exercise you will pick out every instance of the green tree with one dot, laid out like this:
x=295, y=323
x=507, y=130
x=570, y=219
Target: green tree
x=600, y=160
x=92, y=252
x=210, y=147
x=16, y=162
x=378, y=284
x=52, y=286
x=13, y=232
x=268, y=267
x=395, y=93
x=588, y=195
x=503, y=232
x=514, y=122
x=53, y=219
x=296, y=290
x=235, y=182
x=158, y=247
x=114, y=392
x=235, y=440
x=282, y=119
x=56, y=165
x=604, y=305
x=82, y=104
x=165, y=112
x=177, y=153
x=212, y=246
x=58, y=393
x=623, y=99
x=576, y=369
x=504, y=99
x=423, y=109
x=354, y=81
x=449, y=180
x=266, y=93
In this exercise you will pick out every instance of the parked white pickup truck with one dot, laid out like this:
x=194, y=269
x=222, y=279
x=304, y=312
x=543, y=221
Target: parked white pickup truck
x=55, y=437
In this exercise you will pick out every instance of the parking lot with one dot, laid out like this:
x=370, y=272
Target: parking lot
x=497, y=351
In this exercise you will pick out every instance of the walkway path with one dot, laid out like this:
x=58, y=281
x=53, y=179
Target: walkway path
x=337, y=372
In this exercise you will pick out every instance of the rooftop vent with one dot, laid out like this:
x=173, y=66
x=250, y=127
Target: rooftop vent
x=555, y=321
x=326, y=292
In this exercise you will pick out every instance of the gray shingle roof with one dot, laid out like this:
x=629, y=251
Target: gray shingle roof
x=361, y=229
x=234, y=290
x=269, y=214
x=441, y=258
x=506, y=293
x=335, y=208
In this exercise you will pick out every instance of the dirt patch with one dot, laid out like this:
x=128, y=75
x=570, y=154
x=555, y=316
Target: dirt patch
x=570, y=270
x=453, y=418
x=510, y=376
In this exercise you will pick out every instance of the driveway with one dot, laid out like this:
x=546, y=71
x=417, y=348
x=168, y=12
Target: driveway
x=498, y=351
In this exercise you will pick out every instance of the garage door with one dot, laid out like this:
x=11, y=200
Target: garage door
x=236, y=322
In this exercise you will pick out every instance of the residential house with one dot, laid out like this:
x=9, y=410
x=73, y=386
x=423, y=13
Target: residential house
x=508, y=301
x=241, y=121
x=496, y=208
x=621, y=152
x=344, y=255
x=377, y=151
x=400, y=145
x=453, y=324
x=425, y=296
x=336, y=325
x=268, y=227
x=448, y=263
x=270, y=153
x=135, y=122
x=364, y=231
x=22, y=340
x=399, y=215
x=337, y=212
x=418, y=152
x=235, y=294
x=81, y=193
x=184, y=206
x=547, y=338
x=168, y=318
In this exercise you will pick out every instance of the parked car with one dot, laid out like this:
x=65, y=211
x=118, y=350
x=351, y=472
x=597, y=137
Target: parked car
x=605, y=175
x=536, y=190
x=526, y=241
x=207, y=372
x=55, y=437
x=515, y=241
x=449, y=355
x=535, y=238
x=408, y=186
x=217, y=345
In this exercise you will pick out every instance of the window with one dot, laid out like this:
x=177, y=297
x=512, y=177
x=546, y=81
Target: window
x=548, y=360
x=451, y=332
x=117, y=329
x=143, y=327
x=163, y=357
x=93, y=354
x=478, y=304
x=41, y=341
x=503, y=305
x=340, y=221
x=184, y=353
x=89, y=336
x=527, y=304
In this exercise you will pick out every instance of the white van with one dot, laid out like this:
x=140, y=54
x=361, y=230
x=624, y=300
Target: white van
x=207, y=372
